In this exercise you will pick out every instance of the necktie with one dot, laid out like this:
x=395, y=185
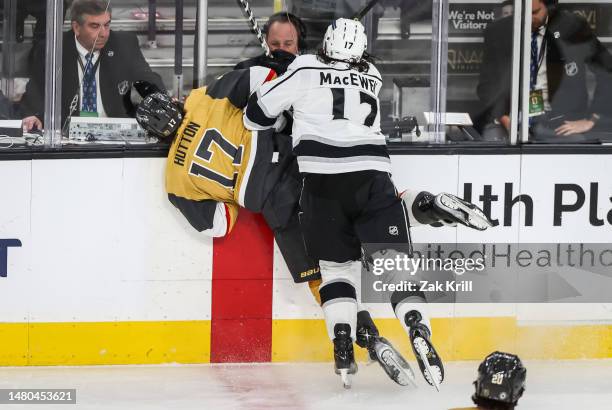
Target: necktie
x=89, y=86
x=534, y=60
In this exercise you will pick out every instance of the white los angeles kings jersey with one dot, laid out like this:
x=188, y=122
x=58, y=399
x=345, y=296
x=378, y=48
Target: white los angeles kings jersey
x=336, y=115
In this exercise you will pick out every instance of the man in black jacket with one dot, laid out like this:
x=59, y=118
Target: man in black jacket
x=563, y=45
x=98, y=67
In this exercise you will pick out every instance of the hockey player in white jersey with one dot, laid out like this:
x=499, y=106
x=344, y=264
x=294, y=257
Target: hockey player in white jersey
x=349, y=204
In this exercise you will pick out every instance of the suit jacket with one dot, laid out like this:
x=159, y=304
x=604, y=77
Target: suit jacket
x=121, y=63
x=571, y=47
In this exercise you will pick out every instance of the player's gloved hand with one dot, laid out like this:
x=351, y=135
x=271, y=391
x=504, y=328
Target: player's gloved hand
x=279, y=61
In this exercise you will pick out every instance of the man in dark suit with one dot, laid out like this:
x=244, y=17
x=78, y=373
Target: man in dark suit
x=98, y=67
x=563, y=45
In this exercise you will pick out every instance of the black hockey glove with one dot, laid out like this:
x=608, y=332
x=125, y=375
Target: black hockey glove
x=279, y=61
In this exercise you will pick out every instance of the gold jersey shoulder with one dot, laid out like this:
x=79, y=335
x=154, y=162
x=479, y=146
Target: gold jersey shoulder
x=209, y=156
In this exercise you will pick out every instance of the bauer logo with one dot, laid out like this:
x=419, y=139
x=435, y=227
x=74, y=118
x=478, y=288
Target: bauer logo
x=5, y=244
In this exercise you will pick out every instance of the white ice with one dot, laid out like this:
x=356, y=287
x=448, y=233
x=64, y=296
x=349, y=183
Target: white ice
x=583, y=385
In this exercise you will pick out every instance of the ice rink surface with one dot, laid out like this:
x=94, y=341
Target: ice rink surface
x=557, y=385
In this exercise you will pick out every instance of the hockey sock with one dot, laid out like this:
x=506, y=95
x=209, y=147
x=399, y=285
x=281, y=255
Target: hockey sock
x=338, y=296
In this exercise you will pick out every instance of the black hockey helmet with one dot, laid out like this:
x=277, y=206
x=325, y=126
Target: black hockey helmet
x=501, y=378
x=159, y=115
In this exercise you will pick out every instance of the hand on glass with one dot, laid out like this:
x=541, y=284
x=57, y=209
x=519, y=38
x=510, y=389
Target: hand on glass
x=575, y=127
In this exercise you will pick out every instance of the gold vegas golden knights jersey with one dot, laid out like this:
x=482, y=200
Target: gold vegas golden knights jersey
x=215, y=165
x=213, y=157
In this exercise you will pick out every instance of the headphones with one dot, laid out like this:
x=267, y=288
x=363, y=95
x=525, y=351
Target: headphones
x=286, y=17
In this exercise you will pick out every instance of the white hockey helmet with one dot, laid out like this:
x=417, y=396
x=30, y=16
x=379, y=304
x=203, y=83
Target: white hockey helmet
x=345, y=40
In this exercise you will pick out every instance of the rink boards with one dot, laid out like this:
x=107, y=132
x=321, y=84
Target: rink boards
x=107, y=272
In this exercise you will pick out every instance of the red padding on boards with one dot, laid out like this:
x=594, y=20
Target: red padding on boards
x=241, y=341
x=241, y=329
x=230, y=293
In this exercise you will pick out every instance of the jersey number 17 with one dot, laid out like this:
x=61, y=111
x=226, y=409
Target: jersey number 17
x=339, y=104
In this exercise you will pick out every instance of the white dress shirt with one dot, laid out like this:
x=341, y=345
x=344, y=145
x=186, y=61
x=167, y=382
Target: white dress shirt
x=83, y=56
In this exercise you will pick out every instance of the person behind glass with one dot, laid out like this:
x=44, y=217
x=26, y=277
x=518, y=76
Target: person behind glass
x=506, y=8
x=98, y=67
x=285, y=36
x=562, y=46
x=38, y=10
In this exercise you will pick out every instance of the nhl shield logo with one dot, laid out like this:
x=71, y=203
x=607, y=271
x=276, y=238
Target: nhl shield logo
x=571, y=69
x=123, y=87
x=393, y=230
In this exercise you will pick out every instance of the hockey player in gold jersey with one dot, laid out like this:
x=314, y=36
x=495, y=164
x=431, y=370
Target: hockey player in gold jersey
x=212, y=158
x=215, y=165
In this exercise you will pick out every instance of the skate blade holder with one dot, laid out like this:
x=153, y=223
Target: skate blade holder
x=405, y=376
x=346, y=378
x=432, y=373
x=475, y=218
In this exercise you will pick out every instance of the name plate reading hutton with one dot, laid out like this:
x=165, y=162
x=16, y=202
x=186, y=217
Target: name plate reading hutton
x=37, y=396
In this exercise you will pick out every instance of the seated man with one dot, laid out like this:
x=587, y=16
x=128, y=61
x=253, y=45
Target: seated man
x=562, y=46
x=98, y=66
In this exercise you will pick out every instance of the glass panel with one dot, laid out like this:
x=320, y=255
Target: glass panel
x=399, y=38
x=230, y=40
x=131, y=41
x=23, y=38
x=480, y=65
x=574, y=75
x=160, y=36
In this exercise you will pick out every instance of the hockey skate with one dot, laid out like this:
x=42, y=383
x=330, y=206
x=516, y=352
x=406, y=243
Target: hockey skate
x=344, y=356
x=392, y=362
x=367, y=333
x=382, y=351
x=429, y=361
x=452, y=209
